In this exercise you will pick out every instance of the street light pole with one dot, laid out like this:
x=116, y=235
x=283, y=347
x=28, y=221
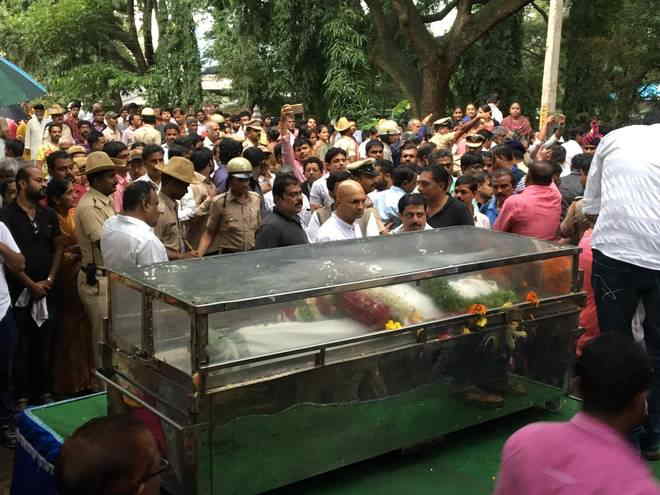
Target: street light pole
x=551, y=67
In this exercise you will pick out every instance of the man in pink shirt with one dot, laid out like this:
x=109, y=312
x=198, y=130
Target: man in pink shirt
x=589, y=455
x=536, y=211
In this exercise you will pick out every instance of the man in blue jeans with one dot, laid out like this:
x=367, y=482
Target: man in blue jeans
x=10, y=256
x=623, y=189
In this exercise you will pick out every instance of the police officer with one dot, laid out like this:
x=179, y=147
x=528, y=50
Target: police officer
x=234, y=216
x=94, y=208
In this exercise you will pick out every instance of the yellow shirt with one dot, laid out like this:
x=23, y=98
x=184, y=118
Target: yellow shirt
x=443, y=141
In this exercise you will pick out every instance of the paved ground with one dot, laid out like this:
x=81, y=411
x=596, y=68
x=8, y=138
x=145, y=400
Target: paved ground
x=6, y=463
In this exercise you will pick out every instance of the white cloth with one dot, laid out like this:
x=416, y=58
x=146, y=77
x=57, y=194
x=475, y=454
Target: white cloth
x=496, y=113
x=319, y=194
x=335, y=229
x=399, y=229
x=481, y=220
x=127, y=242
x=305, y=214
x=6, y=239
x=572, y=149
x=34, y=133
x=623, y=188
x=39, y=308
x=146, y=178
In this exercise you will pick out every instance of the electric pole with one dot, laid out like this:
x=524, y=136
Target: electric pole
x=551, y=66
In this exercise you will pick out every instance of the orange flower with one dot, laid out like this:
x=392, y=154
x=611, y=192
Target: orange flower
x=533, y=298
x=477, y=309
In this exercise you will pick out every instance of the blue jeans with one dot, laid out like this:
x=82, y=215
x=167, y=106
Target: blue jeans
x=7, y=354
x=618, y=289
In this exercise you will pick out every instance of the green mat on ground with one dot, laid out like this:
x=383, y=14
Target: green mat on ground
x=463, y=463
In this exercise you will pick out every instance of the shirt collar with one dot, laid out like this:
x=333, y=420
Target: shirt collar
x=597, y=428
x=295, y=219
x=342, y=224
x=134, y=221
x=100, y=196
x=397, y=189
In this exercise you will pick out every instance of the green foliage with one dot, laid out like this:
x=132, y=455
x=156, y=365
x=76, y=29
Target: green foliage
x=451, y=301
x=86, y=49
x=611, y=54
x=496, y=64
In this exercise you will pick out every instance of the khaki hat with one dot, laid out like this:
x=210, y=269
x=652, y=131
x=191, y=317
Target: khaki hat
x=239, y=167
x=217, y=118
x=77, y=149
x=387, y=128
x=148, y=112
x=134, y=156
x=119, y=162
x=55, y=110
x=343, y=124
x=444, y=122
x=180, y=168
x=81, y=161
x=363, y=167
x=254, y=124
x=98, y=161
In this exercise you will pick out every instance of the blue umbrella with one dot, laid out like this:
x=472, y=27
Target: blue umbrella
x=15, y=85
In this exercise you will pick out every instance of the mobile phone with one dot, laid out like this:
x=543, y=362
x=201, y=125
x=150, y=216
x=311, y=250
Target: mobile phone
x=298, y=108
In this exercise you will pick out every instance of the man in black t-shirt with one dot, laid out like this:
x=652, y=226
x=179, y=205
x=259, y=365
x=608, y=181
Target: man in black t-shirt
x=37, y=233
x=443, y=210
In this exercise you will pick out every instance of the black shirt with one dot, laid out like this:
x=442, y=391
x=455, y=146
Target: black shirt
x=278, y=230
x=35, y=240
x=453, y=213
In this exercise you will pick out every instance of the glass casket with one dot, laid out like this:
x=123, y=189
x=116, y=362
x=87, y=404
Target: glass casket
x=259, y=369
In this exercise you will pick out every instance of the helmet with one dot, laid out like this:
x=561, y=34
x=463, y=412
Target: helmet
x=387, y=128
x=239, y=167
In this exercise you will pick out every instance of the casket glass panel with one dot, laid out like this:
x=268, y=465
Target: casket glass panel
x=126, y=314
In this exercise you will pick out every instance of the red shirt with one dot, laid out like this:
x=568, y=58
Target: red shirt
x=535, y=212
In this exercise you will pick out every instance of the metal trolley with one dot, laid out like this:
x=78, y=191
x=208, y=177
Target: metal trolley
x=264, y=368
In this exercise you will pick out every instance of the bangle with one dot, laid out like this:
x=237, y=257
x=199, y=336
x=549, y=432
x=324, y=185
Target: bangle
x=50, y=279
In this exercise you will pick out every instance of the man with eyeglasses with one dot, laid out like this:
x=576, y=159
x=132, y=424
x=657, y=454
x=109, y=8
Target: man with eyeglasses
x=37, y=233
x=283, y=226
x=114, y=454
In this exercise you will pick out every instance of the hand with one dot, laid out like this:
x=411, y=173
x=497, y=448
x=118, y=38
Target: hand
x=427, y=118
x=544, y=154
x=387, y=229
x=40, y=289
x=190, y=254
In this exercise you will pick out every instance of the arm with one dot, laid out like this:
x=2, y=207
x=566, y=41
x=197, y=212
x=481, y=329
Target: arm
x=505, y=219
x=15, y=261
x=215, y=216
x=458, y=134
x=57, y=259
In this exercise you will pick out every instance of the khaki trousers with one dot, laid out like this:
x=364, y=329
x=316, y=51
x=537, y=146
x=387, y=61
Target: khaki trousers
x=95, y=301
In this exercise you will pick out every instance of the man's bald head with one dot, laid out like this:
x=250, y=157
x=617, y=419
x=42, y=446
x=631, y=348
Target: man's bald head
x=106, y=456
x=540, y=173
x=349, y=200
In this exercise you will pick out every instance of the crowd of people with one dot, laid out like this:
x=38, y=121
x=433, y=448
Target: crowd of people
x=84, y=192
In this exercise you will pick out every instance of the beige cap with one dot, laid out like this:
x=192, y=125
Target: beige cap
x=239, y=167
x=148, y=112
x=55, y=110
x=343, y=124
x=180, y=168
x=217, y=118
x=254, y=124
x=134, y=155
x=76, y=148
x=445, y=121
x=363, y=167
x=387, y=127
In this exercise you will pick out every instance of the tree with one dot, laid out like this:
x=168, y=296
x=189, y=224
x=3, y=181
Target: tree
x=422, y=64
x=611, y=56
x=94, y=50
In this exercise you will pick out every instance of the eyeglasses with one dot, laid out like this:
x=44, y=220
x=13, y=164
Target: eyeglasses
x=163, y=467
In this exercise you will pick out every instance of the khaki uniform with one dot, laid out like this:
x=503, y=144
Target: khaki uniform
x=147, y=134
x=443, y=141
x=349, y=145
x=168, y=229
x=93, y=210
x=202, y=194
x=234, y=221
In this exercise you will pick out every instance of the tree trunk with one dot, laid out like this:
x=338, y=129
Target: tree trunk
x=435, y=90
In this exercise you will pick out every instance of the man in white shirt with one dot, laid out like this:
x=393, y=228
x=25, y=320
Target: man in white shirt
x=349, y=207
x=152, y=158
x=412, y=210
x=493, y=102
x=11, y=256
x=404, y=180
x=466, y=191
x=34, y=132
x=335, y=161
x=623, y=189
x=128, y=239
